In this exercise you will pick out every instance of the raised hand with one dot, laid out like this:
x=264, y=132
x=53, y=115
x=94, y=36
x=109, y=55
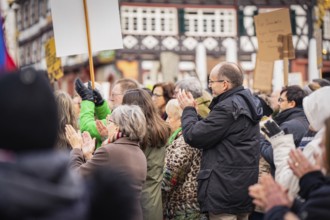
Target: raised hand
x=98, y=99
x=271, y=129
x=73, y=137
x=84, y=92
x=268, y=194
x=102, y=129
x=88, y=145
x=186, y=99
x=300, y=165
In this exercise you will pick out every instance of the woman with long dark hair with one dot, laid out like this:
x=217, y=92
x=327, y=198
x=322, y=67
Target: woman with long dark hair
x=153, y=145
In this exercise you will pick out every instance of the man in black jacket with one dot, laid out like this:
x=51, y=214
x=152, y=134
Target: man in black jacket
x=291, y=119
x=229, y=139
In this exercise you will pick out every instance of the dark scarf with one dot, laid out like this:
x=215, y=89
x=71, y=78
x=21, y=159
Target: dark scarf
x=289, y=114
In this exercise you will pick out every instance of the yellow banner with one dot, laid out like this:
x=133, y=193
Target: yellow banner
x=54, y=65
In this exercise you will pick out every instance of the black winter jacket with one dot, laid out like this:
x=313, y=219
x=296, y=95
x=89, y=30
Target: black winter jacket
x=40, y=186
x=315, y=190
x=229, y=139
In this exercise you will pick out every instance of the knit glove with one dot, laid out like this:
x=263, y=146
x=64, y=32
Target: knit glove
x=84, y=92
x=271, y=129
x=98, y=99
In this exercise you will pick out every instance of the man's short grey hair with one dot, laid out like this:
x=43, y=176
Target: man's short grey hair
x=131, y=121
x=191, y=84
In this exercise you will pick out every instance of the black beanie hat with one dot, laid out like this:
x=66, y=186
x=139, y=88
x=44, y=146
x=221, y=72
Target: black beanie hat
x=28, y=112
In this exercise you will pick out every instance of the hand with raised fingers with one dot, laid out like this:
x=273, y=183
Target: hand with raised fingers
x=276, y=195
x=102, y=129
x=271, y=129
x=73, y=137
x=257, y=193
x=88, y=145
x=84, y=92
x=299, y=164
x=268, y=194
x=186, y=99
x=98, y=99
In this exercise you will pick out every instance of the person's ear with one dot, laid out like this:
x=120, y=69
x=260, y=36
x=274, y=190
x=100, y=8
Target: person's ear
x=292, y=104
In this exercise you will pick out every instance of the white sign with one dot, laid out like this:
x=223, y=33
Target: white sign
x=70, y=28
x=295, y=79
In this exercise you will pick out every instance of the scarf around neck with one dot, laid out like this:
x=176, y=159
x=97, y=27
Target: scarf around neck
x=174, y=135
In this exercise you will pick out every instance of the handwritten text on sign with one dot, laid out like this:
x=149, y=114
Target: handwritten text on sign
x=268, y=28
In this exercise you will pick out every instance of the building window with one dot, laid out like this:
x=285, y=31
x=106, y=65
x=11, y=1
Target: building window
x=149, y=20
x=210, y=22
x=326, y=24
x=19, y=19
x=26, y=16
x=32, y=15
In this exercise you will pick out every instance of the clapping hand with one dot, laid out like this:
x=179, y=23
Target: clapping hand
x=102, y=129
x=268, y=194
x=73, y=137
x=300, y=165
x=186, y=99
x=84, y=92
x=88, y=145
x=271, y=129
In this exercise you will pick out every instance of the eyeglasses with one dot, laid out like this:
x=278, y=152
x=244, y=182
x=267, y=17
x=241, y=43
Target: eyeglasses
x=211, y=81
x=281, y=100
x=157, y=95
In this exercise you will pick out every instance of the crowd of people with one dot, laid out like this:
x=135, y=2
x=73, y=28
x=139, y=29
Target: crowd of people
x=171, y=153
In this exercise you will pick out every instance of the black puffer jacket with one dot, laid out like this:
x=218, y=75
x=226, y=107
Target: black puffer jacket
x=40, y=186
x=229, y=139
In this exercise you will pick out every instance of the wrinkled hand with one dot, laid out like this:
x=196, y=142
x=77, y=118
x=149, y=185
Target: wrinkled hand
x=73, y=137
x=88, y=145
x=271, y=129
x=300, y=165
x=98, y=99
x=84, y=92
x=186, y=99
x=102, y=129
x=268, y=194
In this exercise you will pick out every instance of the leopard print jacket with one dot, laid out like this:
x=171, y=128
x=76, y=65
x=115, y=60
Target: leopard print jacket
x=179, y=185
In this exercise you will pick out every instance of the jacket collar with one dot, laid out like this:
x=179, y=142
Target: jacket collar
x=225, y=95
x=125, y=140
x=289, y=114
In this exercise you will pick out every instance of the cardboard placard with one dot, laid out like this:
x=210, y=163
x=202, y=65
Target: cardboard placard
x=54, y=65
x=70, y=28
x=269, y=28
x=263, y=75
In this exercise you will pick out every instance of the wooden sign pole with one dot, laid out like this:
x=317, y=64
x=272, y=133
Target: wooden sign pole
x=90, y=55
x=286, y=59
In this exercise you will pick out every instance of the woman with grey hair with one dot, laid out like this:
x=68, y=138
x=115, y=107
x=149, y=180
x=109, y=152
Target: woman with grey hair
x=126, y=128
